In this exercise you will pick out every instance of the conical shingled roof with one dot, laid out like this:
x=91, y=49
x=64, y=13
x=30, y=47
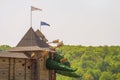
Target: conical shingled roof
x=31, y=39
x=31, y=42
x=41, y=36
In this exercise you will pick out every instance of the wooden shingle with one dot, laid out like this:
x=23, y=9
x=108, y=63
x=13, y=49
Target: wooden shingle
x=41, y=36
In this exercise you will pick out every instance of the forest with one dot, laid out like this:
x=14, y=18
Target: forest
x=92, y=62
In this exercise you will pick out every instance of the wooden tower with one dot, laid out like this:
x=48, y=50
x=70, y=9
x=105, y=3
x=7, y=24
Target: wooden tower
x=27, y=61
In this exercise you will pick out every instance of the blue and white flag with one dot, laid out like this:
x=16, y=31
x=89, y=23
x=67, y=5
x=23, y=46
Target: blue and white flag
x=44, y=24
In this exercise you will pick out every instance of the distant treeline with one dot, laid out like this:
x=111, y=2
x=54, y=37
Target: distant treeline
x=4, y=47
x=93, y=63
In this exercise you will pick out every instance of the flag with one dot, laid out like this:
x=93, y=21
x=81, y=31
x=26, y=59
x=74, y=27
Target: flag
x=34, y=9
x=44, y=24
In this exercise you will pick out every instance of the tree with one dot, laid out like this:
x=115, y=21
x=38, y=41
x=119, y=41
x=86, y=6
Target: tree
x=87, y=76
x=106, y=76
x=118, y=76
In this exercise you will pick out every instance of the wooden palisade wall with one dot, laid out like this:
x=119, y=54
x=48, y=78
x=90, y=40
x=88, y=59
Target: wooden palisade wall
x=26, y=69
x=16, y=69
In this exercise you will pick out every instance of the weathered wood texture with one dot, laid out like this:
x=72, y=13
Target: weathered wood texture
x=44, y=72
x=17, y=69
x=52, y=74
x=26, y=69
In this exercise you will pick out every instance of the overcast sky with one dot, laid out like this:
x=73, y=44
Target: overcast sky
x=76, y=22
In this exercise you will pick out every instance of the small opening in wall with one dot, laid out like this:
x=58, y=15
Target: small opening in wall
x=3, y=73
x=23, y=64
x=28, y=67
x=3, y=60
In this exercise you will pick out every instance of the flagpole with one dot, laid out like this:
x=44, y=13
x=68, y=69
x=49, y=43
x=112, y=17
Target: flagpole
x=40, y=28
x=31, y=17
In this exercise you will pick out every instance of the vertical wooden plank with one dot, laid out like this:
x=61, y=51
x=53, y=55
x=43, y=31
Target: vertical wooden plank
x=31, y=69
x=49, y=74
x=28, y=70
x=36, y=70
x=50, y=71
x=19, y=69
x=4, y=68
x=14, y=69
x=52, y=74
x=9, y=70
x=25, y=69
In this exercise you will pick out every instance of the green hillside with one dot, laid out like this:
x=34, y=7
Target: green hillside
x=93, y=63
